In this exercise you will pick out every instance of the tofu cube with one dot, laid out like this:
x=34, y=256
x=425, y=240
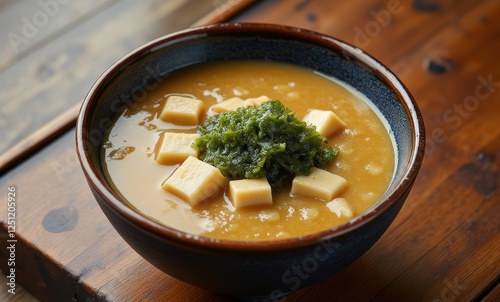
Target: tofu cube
x=326, y=121
x=228, y=105
x=182, y=110
x=176, y=147
x=195, y=181
x=235, y=102
x=341, y=207
x=319, y=183
x=250, y=192
x=256, y=101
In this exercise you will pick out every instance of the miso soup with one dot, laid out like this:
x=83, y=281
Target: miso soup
x=366, y=157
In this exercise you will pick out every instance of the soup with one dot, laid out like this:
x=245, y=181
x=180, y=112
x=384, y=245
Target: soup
x=366, y=156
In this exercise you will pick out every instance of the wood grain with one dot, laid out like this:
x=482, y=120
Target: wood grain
x=38, y=139
x=32, y=142
x=56, y=74
x=28, y=25
x=443, y=246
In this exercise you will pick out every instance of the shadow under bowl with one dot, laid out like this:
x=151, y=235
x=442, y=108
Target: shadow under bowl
x=245, y=269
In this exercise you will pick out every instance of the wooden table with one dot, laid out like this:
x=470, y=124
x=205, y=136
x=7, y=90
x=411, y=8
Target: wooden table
x=443, y=246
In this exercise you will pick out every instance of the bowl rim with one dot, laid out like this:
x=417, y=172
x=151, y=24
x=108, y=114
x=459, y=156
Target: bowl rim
x=305, y=35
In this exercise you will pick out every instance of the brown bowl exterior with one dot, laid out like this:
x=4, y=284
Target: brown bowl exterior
x=265, y=269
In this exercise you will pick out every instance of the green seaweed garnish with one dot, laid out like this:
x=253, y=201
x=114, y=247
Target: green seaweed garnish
x=262, y=141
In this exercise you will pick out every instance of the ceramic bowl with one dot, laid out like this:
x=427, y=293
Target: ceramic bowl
x=265, y=269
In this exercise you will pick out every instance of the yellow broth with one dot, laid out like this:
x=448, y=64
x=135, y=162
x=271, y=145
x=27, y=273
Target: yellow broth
x=366, y=158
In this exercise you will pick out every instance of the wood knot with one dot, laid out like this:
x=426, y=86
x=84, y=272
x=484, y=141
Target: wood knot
x=426, y=6
x=485, y=158
x=481, y=173
x=438, y=65
x=311, y=17
x=61, y=220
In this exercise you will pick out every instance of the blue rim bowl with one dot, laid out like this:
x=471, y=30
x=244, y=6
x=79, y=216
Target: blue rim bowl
x=248, y=269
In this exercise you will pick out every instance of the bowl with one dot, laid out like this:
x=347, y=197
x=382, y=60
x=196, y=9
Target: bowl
x=247, y=269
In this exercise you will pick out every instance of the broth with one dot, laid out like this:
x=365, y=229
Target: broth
x=366, y=152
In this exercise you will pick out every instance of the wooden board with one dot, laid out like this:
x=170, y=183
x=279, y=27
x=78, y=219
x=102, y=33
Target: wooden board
x=67, y=55
x=443, y=246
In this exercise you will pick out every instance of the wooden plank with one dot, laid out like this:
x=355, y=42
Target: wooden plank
x=436, y=275
x=28, y=24
x=369, y=25
x=38, y=139
x=21, y=294
x=59, y=79
x=440, y=96
x=225, y=11
x=34, y=141
x=493, y=295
